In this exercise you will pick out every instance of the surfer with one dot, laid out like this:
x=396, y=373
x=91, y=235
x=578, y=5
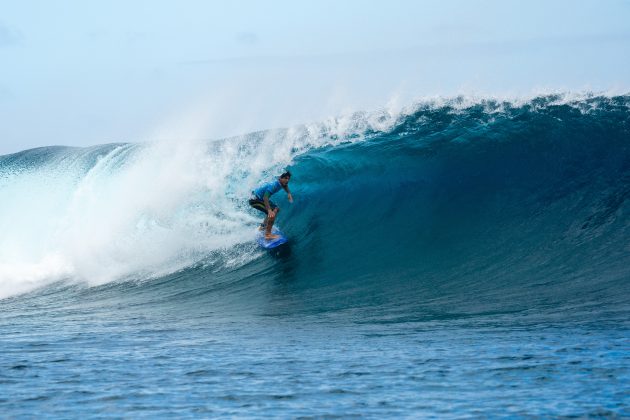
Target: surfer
x=261, y=202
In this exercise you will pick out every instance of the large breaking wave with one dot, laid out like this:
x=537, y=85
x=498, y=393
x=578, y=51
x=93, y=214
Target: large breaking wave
x=480, y=204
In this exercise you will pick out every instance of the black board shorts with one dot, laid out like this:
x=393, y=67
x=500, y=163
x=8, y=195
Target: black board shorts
x=259, y=204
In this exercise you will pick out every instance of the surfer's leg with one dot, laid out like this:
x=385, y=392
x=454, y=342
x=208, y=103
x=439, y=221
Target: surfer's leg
x=270, y=220
x=260, y=206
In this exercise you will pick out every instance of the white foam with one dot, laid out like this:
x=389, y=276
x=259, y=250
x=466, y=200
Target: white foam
x=146, y=210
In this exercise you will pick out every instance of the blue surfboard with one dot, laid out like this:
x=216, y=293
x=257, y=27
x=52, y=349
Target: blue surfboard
x=260, y=239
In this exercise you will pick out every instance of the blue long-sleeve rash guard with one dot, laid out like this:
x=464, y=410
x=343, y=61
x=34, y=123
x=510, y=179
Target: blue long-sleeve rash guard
x=270, y=188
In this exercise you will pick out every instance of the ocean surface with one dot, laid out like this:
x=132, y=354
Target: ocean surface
x=461, y=257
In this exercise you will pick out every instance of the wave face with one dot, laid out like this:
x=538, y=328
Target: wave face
x=485, y=206
x=489, y=207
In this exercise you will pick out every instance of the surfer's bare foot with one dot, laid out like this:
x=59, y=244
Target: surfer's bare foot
x=271, y=236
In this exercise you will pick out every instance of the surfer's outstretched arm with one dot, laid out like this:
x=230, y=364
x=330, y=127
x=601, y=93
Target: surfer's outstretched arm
x=289, y=196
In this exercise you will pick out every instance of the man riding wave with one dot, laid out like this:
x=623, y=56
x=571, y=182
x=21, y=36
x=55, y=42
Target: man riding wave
x=260, y=200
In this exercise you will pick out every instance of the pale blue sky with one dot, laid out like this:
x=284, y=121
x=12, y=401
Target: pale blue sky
x=90, y=72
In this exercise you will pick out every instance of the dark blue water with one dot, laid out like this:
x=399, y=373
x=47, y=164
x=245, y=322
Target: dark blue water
x=462, y=260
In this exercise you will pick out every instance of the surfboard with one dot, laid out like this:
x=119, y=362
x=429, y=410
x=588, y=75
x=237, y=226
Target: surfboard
x=260, y=239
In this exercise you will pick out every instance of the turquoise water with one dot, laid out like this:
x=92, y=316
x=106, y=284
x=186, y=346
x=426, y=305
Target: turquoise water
x=460, y=259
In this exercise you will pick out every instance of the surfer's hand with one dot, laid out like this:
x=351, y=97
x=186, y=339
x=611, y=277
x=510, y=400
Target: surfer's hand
x=290, y=197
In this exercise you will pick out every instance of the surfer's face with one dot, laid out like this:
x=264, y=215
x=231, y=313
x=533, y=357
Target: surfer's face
x=284, y=181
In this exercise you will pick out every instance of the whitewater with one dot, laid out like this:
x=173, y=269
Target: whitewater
x=457, y=257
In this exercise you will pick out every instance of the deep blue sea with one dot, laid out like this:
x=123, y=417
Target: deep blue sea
x=458, y=258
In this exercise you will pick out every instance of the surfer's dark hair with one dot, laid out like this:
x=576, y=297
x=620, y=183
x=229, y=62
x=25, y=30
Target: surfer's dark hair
x=287, y=174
